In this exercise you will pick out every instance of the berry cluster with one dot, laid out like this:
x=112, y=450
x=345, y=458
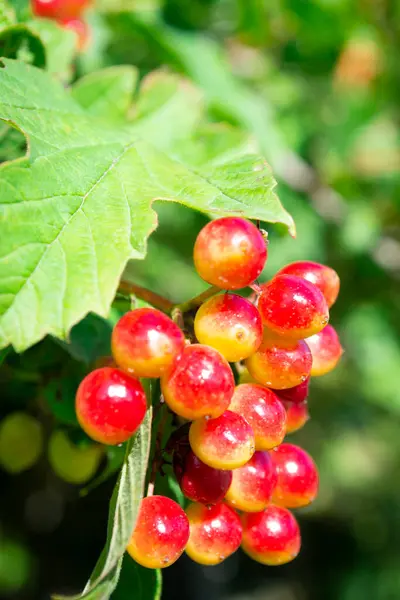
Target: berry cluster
x=229, y=457
x=68, y=13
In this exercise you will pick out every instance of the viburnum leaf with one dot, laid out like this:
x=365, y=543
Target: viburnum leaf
x=80, y=206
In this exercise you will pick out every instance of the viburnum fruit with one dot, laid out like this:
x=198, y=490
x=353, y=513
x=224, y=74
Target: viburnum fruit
x=59, y=9
x=80, y=28
x=326, y=351
x=161, y=533
x=271, y=537
x=292, y=307
x=280, y=363
x=296, y=394
x=198, y=481
x=263, y=411
x=296, y=415
x=215, y=533
x=223, y=443
x=145, y=342
x=72, y=463
x=200, y=383
x=231, y=324
x=21, y=442
x=298, y=480
x=110, y=405
x=325, y=278
x=230, y=253
x=252, y=485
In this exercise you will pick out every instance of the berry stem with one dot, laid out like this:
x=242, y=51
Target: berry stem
x=198, y=300
x=158, y=452
x=127, y=288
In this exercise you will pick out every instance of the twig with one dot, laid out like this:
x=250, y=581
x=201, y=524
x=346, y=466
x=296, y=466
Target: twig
x=198, y=300
x=156, y=300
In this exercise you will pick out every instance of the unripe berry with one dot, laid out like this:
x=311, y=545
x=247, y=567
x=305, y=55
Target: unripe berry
x=231, y=324
x=296, y=415
x=230, y=253
x=296, y=394
x=110, y=405
x=71, y=463
x=325, y=278
x=223, y=443
x=252, y=485
x=271, y=537
x=161, y=533
x=145, y=342
x=80, y=28
x=200, y=383
x=292, y=307
x=263, y=411
x=21, y=442
x=297, y=473
x=280, y=363
x=326, y=351
x=215, y=533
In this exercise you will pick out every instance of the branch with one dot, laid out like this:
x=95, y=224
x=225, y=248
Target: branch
x=197, y=300
x=156, y=300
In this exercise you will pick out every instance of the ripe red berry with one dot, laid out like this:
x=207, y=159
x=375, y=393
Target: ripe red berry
x=110, y=405
x=326, y=351
x=161, y=533
x=298, y=393
x=296, y=415
x=199, y=384
x=271, y=537
x=280, y=363
x=230, y=253
x=252, y=485
x=263, y=411
x=80, y=28
x=297, y=473
x=59, y=9
x=292, y=307
x=215, y=533
x=198, y=481
x=325, y=278
x=145, y=342
x=223, y=443
x=231, y=324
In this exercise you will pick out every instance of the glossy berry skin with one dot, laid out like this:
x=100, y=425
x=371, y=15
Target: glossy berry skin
x=215, y=533
x=110, y=405
x=252, y=485
x=223, y=443
x=161, y=533
x=80, y=28
x=271, y=537
x=230, y=253
x=199, y=384
x=325, y=278
x=198, y=481
x=296, y=394
x=296, y=415
x=280, y=364
x=326, y=351
x=145, y=342
x=297, y=473
x=263, y=411
x=59, y=9
x=230, y=324
x=292, y=307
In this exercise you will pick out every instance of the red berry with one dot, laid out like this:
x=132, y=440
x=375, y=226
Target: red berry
x=280, y=363
x=271, y=537
x=199, y=384
x=263, y=411
x=325, y=278
x=215, y=533
x=161, y=533
x=198, y=481
x=110, y=405
x=326, y=351
x=298, y=479
x=292, y=307
x=296, y=415
x=223, y=443
x=230, y=253
x=59, y=9
x=80, y=28
x=298, y=393
x=145, y=342
x=252, y=485
x=231, y=324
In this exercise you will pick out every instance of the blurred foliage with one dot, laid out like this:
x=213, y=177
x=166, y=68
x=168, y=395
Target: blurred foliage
x=317, y=83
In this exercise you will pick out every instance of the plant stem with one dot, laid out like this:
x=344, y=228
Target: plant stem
x=158, y=453
x=156, y=300
x=198, y=300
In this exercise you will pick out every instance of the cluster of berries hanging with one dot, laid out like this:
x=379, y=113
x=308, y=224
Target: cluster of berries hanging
x=68, y=13
x=228, y=457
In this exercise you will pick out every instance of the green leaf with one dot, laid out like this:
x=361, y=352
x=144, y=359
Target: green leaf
x=107, y=93
x=115, y=458
x=59, y=44
x=81, y=207
x=90, y=339
x=19, y=41
x=60, y=397
x=7, y=14
x=137, y=582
